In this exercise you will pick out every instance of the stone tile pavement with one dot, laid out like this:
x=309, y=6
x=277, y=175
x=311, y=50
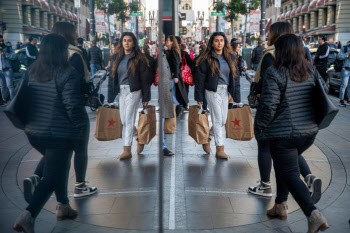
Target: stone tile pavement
x=200, y=193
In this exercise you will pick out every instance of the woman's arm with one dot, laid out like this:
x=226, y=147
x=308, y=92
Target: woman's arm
x=200, y=76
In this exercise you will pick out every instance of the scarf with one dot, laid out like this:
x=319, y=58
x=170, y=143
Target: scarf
x=71, y=51
x=268, y=50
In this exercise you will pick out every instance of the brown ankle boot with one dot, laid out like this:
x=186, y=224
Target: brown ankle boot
x=220, y=153
x=25, y=222
x=279, y=211
x=126, y=153
x=65, y=211
x=206, y=147
x=316, y=222
x=140, y=148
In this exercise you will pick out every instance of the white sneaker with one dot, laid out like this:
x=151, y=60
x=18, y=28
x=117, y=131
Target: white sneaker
x=315, y=185
x=263, y=189
x=82, y=190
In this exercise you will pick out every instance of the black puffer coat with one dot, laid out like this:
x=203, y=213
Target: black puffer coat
x=56, y=112
x=204, y=80
x=285, y=113
x=142, y=80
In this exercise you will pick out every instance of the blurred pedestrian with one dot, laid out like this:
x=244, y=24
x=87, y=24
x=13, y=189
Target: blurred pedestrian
x=132, y=76
x=80, y=44
x=6, y=72
x=257, y=55
x=53, y=125
x=321, y=57
x=288, y=88
x=344, y=55
x=95, y=58
x=31, y=50
x=216, y=77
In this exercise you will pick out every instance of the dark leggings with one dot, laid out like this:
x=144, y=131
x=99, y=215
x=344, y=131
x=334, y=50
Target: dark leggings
x=265, y=162
x=80, y=159
x=285, y=154
x=54, y=178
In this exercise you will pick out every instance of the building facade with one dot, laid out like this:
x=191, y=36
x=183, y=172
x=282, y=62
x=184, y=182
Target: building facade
x=25, y=18
x=319, y=17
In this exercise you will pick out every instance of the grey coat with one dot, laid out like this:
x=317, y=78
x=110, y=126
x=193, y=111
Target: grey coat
x=165, y=92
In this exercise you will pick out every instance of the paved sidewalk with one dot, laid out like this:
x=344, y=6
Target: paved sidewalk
x=201, y=194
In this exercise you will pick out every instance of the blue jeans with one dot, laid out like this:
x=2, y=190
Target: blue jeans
x=174, y=92
x=6, y=81
x=345, y=82
x=94, y=68
x=255, y=67
x=163, y=134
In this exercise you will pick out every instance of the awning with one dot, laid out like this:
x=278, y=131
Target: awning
x=287, y=15
x=298, y=11
x=59, y=10
x=64, y=12
x=75, y=17
x=34, y=31
x=53, y=9
x=313, y=5
x=70, y=15
x=331, y=2
x=293, y=12
x=37, y=3
x=323, y=31
x=283, y=16
x=28, y=2
x=320, y=4
x=45, y=5
x=305, y=8
x=267, y=27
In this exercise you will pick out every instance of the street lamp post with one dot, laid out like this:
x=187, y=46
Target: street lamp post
x=262, y=21
x=201, y=18
x=92, y=20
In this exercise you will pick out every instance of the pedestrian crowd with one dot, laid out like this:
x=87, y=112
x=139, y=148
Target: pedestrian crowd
x=285, y=126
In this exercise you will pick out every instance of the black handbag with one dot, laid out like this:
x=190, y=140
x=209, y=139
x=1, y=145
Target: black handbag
x=325, y=110
x=16, y=110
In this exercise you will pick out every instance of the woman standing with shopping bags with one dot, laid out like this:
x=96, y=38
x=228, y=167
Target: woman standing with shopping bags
x=131, y=74
x=173, y=55
x=216, y=76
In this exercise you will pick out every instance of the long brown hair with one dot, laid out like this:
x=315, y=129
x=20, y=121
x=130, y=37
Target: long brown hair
x=67, y=30
x=133, y=61
x=277, y=29
x=175, y=46
x=213, y=64
x=290, y=57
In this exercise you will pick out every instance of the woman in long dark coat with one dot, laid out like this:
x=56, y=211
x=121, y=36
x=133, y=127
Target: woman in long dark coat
x=173, y=55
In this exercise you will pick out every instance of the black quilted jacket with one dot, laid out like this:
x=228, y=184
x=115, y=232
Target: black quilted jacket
x=204, y=80
x=56, y=112
x=285, y=113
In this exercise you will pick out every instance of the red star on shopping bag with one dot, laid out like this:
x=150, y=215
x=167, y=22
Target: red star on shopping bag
x=236, y=122
x=111, y=122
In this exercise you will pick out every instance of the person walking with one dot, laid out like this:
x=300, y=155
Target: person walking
x=196, y=49
x=286, y=118
x=131, y=72
x=344, y=55
x=80, y=44
x=257, y=55
x=6, y=72
x=53, y=125
x=75, y=59
x=95, y=58
x=321, y=57
x=264, y=152
x=111, y=97
x=216, y=76
x=31, y=51
x=186, y=58
x=174, y=59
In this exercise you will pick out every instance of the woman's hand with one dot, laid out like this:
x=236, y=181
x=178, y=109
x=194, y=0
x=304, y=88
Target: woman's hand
x=145, y=104
x=106, y=68
x=244, y=68
x=200, y=103
x=176, y=80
